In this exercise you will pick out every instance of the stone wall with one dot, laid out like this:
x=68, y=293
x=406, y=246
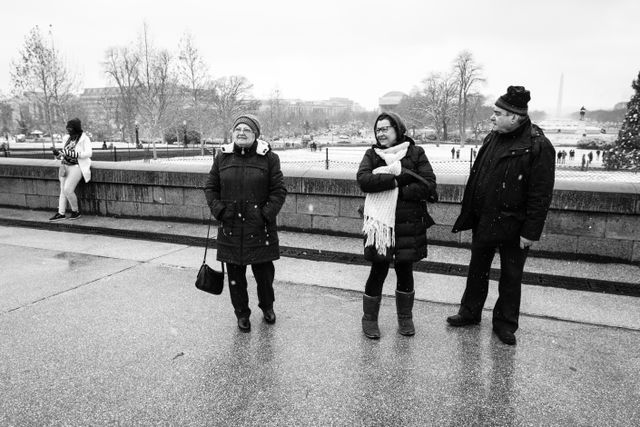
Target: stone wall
x=587, y=220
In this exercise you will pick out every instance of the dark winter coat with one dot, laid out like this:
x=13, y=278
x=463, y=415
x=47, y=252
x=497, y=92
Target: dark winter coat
x=518, y=195
x=245, y=191
x=412, y=218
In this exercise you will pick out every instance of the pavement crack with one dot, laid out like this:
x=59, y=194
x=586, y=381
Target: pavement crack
x=81, y=285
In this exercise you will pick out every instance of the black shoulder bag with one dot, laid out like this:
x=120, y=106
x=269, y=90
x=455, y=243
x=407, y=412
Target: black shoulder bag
x=209, y=280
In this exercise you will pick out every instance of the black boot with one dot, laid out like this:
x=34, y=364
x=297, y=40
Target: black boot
x=404, y=305
x=371, y=306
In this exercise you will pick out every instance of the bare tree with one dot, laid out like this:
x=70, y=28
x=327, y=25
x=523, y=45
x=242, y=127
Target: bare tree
x=436, y=100
x=467, y=75
x=194, y=78
x=232, y=96
x=158, y=87
x=41, y=71
x=273, y=118
x=121, y=65
x=479, y=115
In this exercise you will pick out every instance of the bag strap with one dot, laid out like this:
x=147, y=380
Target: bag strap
x=415, y=175
x=206, y=246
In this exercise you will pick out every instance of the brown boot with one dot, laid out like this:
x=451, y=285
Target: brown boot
x=371, y=306
x=404, y=306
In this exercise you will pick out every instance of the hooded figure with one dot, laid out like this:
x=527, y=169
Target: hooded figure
x=397, y=178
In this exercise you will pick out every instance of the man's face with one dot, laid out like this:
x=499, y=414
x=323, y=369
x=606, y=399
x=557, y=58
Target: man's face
x=503, y=121
x=385, y=133
x=69, y=130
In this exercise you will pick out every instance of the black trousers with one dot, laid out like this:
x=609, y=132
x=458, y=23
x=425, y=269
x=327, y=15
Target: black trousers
x=507, y=309
x=263, y=273
x=378, y=273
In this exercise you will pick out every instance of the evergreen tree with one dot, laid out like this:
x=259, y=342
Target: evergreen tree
x=626, y=152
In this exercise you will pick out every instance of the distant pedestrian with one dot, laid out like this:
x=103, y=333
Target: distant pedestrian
x=453, y=153
x=395, y=218
x=584, y=162
x=505, y=204
x=597, y=154
x=457, y=154
x=559, y=157
x=590, y=156
x=245, y=191
x=75, y=164
x=572, y=154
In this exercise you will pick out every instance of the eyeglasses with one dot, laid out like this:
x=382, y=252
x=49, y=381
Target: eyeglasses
x=243, y=130
x=383, y=129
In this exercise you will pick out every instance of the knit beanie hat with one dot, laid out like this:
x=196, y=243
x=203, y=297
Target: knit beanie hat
x=515, y=100
x=75, y=125
x=249, y=120
x=396, y=123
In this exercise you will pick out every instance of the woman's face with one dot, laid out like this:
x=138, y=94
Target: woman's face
x=243, y=136
x=385, y=133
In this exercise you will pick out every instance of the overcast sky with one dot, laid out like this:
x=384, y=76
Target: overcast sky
x=359, y=49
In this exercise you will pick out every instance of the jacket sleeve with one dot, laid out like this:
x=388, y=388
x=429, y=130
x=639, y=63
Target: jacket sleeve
x=212, y=190
x=539, y=190
x=84, y=150
x=277, y=190
x=418, y=190
x=370, y=182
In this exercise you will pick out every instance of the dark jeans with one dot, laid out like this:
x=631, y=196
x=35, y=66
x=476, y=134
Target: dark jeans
x=507, y=308
x=263, y=273
x=378, y=273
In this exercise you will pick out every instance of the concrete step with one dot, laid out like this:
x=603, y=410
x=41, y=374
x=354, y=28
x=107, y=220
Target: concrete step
x=611, y=278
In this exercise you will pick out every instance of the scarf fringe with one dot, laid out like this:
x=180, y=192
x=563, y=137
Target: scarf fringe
x=378, y=234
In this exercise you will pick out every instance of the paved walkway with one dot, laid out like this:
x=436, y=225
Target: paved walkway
x=105, y=330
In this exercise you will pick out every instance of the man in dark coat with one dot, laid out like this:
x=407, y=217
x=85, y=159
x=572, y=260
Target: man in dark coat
x=505, y=204
x=245, y=191
x=398, y=178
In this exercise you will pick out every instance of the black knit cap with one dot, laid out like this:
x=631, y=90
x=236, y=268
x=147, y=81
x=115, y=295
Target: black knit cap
x=75, y=125
x=249, y=120
x=515, y=100
x=396, y=123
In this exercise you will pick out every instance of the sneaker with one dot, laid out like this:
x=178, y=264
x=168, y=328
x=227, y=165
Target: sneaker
x=74, y=215
x=57, y=217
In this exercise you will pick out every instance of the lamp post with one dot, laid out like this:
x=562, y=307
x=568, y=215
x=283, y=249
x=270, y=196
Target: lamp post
x=137, y=136
x=184, y=124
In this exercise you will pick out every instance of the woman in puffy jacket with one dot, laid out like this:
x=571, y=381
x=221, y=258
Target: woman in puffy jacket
x=397, y=178
x=245, y=191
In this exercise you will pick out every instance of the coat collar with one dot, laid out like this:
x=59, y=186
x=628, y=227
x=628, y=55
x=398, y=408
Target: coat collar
x=260, y=147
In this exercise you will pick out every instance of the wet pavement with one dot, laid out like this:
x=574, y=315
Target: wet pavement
x=102, y=330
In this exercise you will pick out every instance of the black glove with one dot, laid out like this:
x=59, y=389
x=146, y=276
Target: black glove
x=404, y=179
x=55, y=151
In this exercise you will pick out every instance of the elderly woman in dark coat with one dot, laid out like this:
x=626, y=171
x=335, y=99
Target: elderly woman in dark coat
x=245, y=191
x=395, y=217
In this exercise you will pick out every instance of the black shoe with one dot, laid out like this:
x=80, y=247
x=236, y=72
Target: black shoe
x=244, y=324
x=74, y=215
x=460, y=320
x=505, y=336
x=270, y=316
x=57, y=217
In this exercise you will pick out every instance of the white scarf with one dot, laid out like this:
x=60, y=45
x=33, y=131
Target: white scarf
x=380, y=207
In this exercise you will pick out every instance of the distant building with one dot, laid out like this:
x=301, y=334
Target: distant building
x=296, y=107
x=391, y=100
x=101, y=102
